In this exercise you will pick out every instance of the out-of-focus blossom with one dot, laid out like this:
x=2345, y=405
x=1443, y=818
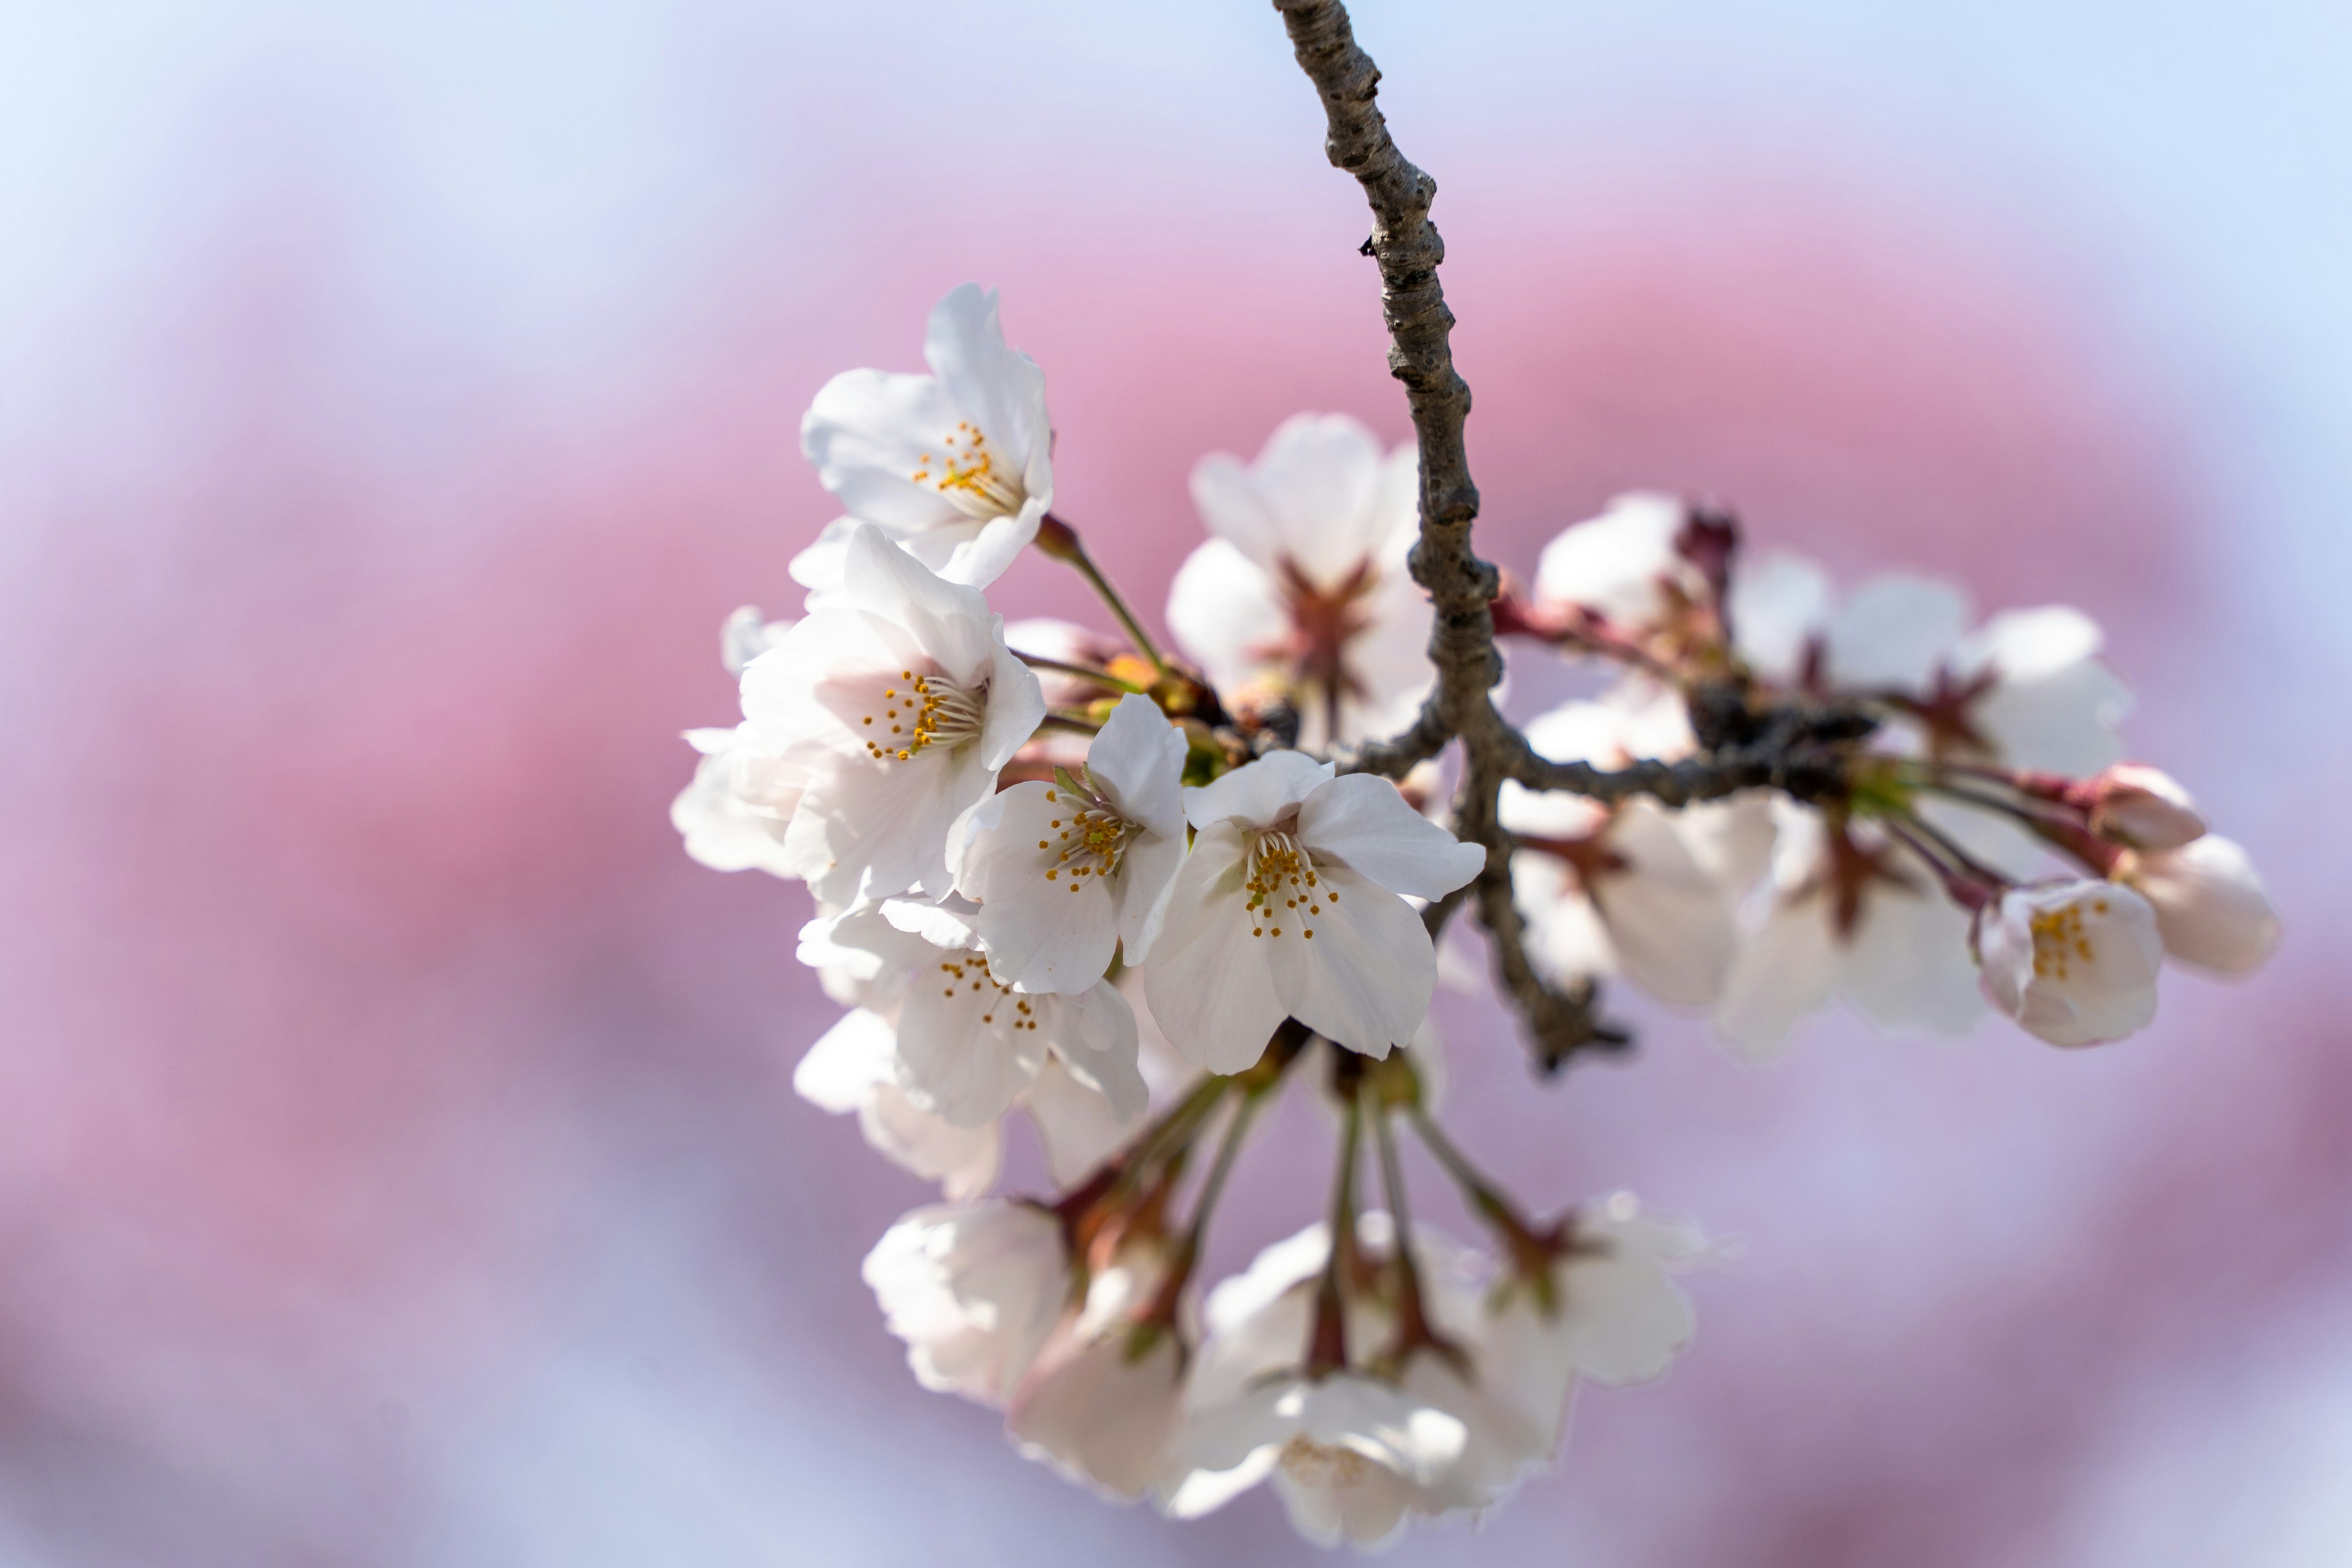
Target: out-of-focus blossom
x=1625, y=566
x=1603, y=1306
x=734, y=813
x=1607, y=891
x=956, y=466
x=2211, y=909
x=854, y=1067
x=1069, y=872
x=1107, y=1393
x=974, y=1290
x=1289, y=906
x=1301, y=592
x=2073, y=961
x=746, y=634
x=1848, y=912
x=899, y=701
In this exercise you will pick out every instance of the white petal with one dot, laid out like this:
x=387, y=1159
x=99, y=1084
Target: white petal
x=2072, y=961
x=1364, y=980
x=1670, y=923
x=980, y=555
x=1260, y=792
x=2210, y=906
x=1312, y=497
x=1893, y=632
x=1227, y=613
x=868, y=433
x=963, y=1160
x=848, y=1061
x=1786, y=968
x=1076, y=1124
x=1142, y=887
x=1209, y=983
x=2028, y=645
x=1618, y=563
x=1102, y=1418
x=950, y=621
x=1363, y=823
x=2064, y=721
x=870, y=831
x=1095, y=1035
x=998, y=388
x=1041, y=935
x=1137, y=760
x=958, y=1054
x=1778, y=605
x=1907, y=966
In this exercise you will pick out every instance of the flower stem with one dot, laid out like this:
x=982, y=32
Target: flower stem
x=1492, y=1207
x=1326, y=1348
x=1102, y=677
x=1413, y=1330
x=1060, y=540
x=1072, y=723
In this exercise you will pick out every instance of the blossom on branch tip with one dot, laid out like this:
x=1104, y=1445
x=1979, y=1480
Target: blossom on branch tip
x=1290, y=906
x=956, y=466
x=1302, y=591
x=734, y=813
x=974, y=1290
x=1067, y=873
x=1106, y=1393
x=898, y=702
x=2074, y=961
x=2211, y=909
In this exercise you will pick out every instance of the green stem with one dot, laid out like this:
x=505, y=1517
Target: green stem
x=1102, y=677
x=1059, y=540
x=1492, y=1206
x=1074, y=723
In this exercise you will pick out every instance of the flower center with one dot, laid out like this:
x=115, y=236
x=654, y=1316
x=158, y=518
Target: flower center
x=927, y=711
x=967, y=472
x=2058, y=939
x=1282, y=887
x=1323, y=622
x=1320, y=1464
x=1093, y=835
x=967, y=974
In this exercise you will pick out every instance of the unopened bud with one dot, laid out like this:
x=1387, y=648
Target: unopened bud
x=2139, y=807
x=2209, y=903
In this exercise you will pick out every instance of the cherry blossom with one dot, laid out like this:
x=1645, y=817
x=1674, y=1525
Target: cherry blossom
x=734, y=814
x=1633, y=571
x=1847, y=912
x=1605, y=889
x=1289, y=905
x=956, y=466
x=854, y=1067
x=746, y=634
x=1107, y=1393
x=899, y=700
x=2138, y=806
x=1301, y=593
x=968, y=1043
x=974, y=1290
x=2211, y=909
x=2074, y=961
x=1069, y=872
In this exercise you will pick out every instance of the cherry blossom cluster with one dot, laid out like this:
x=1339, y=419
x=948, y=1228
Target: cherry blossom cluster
x=1131, y=894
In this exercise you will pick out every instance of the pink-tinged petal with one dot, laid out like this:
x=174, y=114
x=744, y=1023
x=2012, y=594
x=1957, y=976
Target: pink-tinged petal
x=1779, y=605
x=1907, y=965
x=1208, y=984
x=1258, y=794
x=1075, y=1123
x=2061, y=723
x=1364, y=824
x=2074, y=961
x=1016, y=704
x=1364, y=978
x=2029, y=645
x=1786, y=968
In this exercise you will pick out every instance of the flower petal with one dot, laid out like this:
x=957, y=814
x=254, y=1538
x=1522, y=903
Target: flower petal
x=1260, y=792
x=868, y=432
x=1138, y=759
x=1095, y=1035
x=1363, y=823
x=1364, y=980
x=1208, y=984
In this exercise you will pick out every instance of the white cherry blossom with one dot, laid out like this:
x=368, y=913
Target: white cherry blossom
x=899, y=702
x=734, y=814
x=1624, y=565
x=854, y=1067
x=969, y=1045
x=1067, y=873
x=1289, y=906
x=957, y=466
x=2074, y=961
x=1107, y=1394
x=1347, y=1453
x=746, y=634
x=1301, y=592
x=1607, y=1310
x=1847, y=913
x=2211, y=909
x=1607, y=891
x=974, y=1290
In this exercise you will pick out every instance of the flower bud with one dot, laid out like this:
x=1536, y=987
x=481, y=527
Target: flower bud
x=2139, y=807
x=2073, y=961
x=2209, y=904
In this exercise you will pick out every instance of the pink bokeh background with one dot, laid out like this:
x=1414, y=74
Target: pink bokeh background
x=398, y=1163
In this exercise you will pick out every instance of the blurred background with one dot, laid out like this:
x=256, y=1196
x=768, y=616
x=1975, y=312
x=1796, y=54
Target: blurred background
x=398, y=1165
